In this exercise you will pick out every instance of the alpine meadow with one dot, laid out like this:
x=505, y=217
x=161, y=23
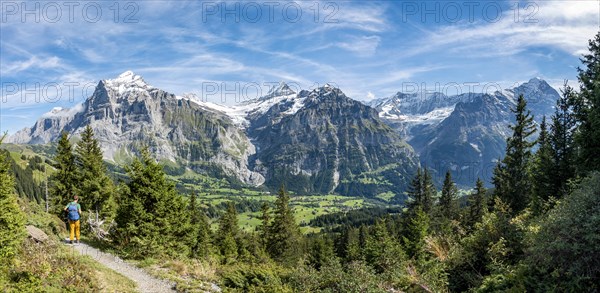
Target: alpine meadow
x=300, y=146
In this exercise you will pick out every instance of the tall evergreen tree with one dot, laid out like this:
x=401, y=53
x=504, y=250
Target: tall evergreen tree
x=561, y=141
x=320, y=252
x=284, y=233
x=347, y=245
x=543, y=170
x=448, y=203
x=415, y=192
x=477, y=204
x=363, y=235
x=228, y=223
x=228, y=234
x=586, y=106
x=512, y=177
x=64, y=179
x=95, y=187
x=265, y=220
x=200, y=236
x=429, y=192
x=421, y=192
x=152, y=218
x=382, y=251
x=415, y=233
x=12, y=219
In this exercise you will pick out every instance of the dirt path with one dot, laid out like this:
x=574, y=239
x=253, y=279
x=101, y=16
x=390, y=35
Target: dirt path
x=145, y=282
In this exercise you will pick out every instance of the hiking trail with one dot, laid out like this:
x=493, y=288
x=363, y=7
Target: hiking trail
x=145, y=282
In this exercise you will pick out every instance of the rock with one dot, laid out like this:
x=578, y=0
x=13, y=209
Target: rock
x=126, y=113
x=36, y=234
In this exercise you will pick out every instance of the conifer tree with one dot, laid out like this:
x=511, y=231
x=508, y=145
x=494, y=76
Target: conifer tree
x=284, y=234
x=152, y=218
x=382, y=251
x=228, y=234
x=543, y=171
x=363, y=235
x=200, y=235
x=448, y=204
x=429, y=192
x=265, y=220
x=512, y=177
x=95, y=187
x=477, y=204
x=586, y=106
x=422, y=191
x=347, y=245
x=228, y=223
x=415, y=233
x=12, y=219
x=64, y=179
x=320, y=252
x=561, y=141
x=415, y=192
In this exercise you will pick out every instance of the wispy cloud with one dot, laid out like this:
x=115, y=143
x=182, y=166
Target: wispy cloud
x=404, y=74
x=557, y=24
x=363, y=46
x=32, y=63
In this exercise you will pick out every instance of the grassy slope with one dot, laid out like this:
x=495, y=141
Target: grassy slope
x=52, y=267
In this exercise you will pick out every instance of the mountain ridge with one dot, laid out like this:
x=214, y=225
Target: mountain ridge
x=127, y=113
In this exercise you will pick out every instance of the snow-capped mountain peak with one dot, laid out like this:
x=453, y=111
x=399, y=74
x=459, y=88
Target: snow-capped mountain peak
x=282, y=96
x=127, y=81
x=282, y=89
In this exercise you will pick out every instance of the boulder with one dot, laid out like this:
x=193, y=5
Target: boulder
x=36, y=234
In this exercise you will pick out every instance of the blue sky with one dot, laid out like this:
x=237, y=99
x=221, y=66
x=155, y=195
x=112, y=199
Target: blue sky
x=370, y=49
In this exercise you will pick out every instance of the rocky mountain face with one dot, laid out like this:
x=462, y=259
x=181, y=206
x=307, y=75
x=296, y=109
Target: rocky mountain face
x=465, y=133
x=127, y=114
x=330, y=144
x=313, y=142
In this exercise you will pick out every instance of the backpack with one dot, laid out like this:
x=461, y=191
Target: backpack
x=73, y=212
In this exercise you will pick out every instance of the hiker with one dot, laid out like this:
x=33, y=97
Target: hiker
x=73, y=210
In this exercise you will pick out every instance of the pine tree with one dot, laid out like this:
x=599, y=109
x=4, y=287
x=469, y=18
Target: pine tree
x=12, y=219
x=477, y=204
x=320, y=252
x=363, y=235
x=64, y=179
x=586, y=107
x=415, y=192
x=228, y=223
x=284, y=234
x=543, y=171
x=152, y=218
x=448, y=203
x=347, y=245
x=95, y=187
x=429, y=192
x=415, y=233
x=228, y=234
x=422, y=191
x=561, y=141
x=200, y=235
x=265, y=220
x=382, y=251
x=512, y=178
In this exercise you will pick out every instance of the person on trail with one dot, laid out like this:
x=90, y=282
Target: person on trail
x=73, y=210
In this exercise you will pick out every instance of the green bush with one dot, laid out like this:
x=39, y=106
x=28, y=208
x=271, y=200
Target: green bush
x=565, y=254
x=253, y=278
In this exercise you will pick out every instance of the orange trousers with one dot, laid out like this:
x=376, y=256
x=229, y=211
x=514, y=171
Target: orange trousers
x=74, y=227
